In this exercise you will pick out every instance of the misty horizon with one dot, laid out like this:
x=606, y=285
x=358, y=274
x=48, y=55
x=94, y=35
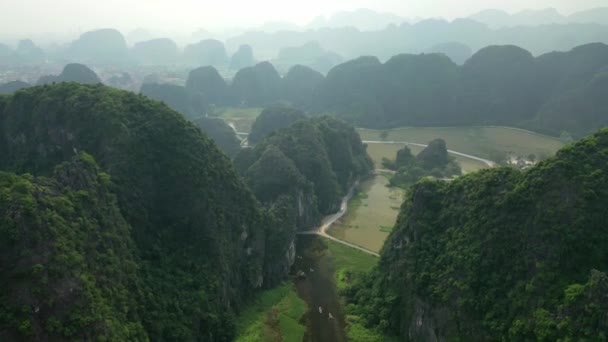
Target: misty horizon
x=182, y=19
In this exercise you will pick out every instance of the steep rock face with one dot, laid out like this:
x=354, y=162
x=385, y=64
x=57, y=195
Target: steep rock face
x=161, y=51
x=259, y=85
x=67, y=257
x=219, y=131
x=176, y=97
x=420, y=87
x=302, y=87
x=198, y=232
x=271, y=120
x=310, y=54
x=106, y=46
x=207, y=83
x=434, y=155
x=206, y=52
x=503, y=78
x=499, y=254
x=73, y=72
x=352, y=87
x=11, y=87
x=28, y=53
x=300, y=174
x=242, y=58
x=312, y=162
x=459, y=53
x=79, y=73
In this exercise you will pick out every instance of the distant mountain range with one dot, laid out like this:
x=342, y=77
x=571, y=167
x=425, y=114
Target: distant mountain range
x=498, y=18
x=363, y=19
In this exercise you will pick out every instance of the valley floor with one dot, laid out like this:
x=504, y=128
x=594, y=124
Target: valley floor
x=494, y=143
x=371, y=214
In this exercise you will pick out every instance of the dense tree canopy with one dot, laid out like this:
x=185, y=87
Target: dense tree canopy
x=273, y=119
x=259, y=85
x=499, y=255
x=314, y=162
x=11, y=87
x=219, y=131
x=435, y=155
x=73, y=72
x=166, y=246
x=207, y=83
x=49, y=227
x=499, y=85
x=432, y=161
x=302, y=87
x=176, y=97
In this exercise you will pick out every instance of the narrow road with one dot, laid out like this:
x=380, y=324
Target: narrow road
x=331, y=219
x=242, y=136
x=489, y=163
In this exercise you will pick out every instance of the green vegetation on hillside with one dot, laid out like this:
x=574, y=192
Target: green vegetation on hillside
x=70, y=270
x=498, y=254
x=271, y=120
x=186, y=101
x=560, y=94
x=273, y=316
x=498, y=85
x=433, y=161
x=222, y=134
x=11, y=87
x=350, y=264
x=199, y=243
x=73, y=72
x=310, y=165
x=259, y=85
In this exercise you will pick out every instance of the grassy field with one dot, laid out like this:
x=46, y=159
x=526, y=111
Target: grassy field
x=371, y=214
x=345, y=257
x=241, y=118
x=485, y=142
x=273, y=316
x=379, y=151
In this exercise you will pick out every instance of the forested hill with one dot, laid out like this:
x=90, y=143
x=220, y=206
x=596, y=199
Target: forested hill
x=555, y=93
x=499, y=85
x=160, y=241
x=499, y=255
x=307, y=167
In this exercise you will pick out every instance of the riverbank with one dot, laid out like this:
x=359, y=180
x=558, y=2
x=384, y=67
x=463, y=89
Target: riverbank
x=348, y=264
x=275, y=315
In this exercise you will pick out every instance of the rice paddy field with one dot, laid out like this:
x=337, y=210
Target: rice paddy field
x=485, y=142
x=241, y=118
x=371, y=214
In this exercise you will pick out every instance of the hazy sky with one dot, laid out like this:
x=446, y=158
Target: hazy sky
x=30, y=16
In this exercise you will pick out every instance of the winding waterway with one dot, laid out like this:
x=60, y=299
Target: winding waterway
x=318, y=289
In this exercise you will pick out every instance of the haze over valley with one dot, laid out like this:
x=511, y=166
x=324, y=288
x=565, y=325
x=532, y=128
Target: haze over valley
x=318, y=172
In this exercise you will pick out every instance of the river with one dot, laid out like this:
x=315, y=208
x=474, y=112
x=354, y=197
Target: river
x=318, y=290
